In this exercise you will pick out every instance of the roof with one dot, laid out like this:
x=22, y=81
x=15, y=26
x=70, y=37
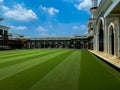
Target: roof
x=4, y=27
x=52, y=38
x=79, y=36
x=1, y=19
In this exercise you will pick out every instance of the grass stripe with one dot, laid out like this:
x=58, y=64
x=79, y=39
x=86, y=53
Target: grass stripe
x=95, y=76
x=14, y=69
x=6, y=52
x=20, y=57
x=11, y=51
x=21, y=53
x=9, y=63
x=64, y=77
x=18, y=54
x=32, y=75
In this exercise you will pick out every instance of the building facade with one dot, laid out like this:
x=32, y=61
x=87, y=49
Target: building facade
x=3, y=35
x=14, y=40
x=105, y=24
x=75, y=41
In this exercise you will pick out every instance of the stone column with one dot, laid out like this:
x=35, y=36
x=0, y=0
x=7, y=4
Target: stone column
x=1, y=37
x=5, y=38
x=105, y=36
x=119, y=39
x=29, y=44
x=97, y=42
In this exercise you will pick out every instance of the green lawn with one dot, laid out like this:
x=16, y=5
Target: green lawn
x=55, y=69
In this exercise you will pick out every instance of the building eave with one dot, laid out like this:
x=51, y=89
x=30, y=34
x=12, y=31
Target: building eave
x=103, y=7
x=4, y=27
x=93, y=8
x=114, y=4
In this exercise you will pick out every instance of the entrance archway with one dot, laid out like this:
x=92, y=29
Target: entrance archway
x=111, y=38
x=101, y=36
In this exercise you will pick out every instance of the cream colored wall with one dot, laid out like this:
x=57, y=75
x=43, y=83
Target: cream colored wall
x=104, y=5
x=106, y=34
x=115, y=22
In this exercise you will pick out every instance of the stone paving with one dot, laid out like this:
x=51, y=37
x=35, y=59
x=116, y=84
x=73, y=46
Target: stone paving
x=109, y=58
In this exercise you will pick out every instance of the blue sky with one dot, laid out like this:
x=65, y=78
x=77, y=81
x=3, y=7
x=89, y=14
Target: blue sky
x=45, y=17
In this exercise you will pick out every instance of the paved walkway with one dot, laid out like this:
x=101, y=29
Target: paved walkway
x=109, y=58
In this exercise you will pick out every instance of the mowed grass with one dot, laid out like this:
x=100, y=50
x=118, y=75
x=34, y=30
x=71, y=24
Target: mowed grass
x=55, y=69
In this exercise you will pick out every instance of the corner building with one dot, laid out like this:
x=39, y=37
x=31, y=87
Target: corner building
x=3, y=35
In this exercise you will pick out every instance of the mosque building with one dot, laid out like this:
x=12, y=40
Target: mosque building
x=105, y=24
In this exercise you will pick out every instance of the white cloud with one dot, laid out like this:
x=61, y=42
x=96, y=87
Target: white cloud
x=42, y=29
x=4, y=8
x=19, y=12
x=44, y=34
x=1, y=1
x=47, y=34
x=71, y=1
x=68, y=0
x=75, y=27
x=52, y=11
x=99, y=2
x=18, y=28
x=81, y=27
x=84, y=5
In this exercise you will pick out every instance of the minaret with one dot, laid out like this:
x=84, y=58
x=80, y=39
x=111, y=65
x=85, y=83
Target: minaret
x=94, y=3
x=94, y=7
x=93, y=17
x=92, y=24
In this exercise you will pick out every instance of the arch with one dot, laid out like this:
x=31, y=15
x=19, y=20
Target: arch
x=100, y=34
x=111, y=39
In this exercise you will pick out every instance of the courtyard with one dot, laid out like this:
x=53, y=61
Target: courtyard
x=55, y=69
